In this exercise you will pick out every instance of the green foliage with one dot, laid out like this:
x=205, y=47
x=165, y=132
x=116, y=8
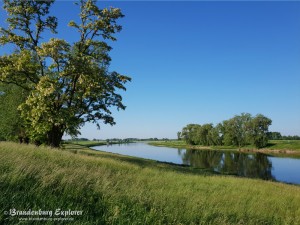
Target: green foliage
x=274, y=135
x=278, y=136
x=238, y=131
x=289, y=137
x=235, y=130
x=203, y=134
x=257, y=131
x=11, y=124
x=29, y=19
x=189, y=133
x=68, y=84
x=214, y=135
x=178, y=135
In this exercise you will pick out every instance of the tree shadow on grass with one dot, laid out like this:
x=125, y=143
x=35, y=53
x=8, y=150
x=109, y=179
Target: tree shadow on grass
x=270, y=145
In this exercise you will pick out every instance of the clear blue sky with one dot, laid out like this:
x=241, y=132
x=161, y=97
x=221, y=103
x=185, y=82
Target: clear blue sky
x=201, y=62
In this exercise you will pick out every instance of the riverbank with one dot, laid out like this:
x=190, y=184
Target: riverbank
x=93, y=143
x=115, y=189
x=279, y=147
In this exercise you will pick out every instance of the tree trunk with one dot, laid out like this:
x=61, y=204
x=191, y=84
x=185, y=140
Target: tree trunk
x=55, y=136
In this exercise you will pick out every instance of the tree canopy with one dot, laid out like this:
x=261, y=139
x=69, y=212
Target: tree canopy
x=238, y=131
x=68, y=84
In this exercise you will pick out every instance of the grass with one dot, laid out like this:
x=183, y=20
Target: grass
x=275, y=146
x=90, y=143
x=284, y=145
x=114, y=189
x=87, y=143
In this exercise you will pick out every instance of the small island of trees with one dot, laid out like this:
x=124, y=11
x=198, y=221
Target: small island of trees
x=238, y=131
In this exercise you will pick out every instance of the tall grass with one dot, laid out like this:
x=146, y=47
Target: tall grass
x=112, y=189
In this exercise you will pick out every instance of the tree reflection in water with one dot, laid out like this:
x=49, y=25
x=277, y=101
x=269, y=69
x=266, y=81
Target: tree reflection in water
x=240, y=164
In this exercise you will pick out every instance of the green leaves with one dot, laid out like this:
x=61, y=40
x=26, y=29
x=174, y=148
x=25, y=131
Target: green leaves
x=244, y=129
x=96, y=22
x=68, y=84
x=11, y=125
x=238, y=131
x=258, y=130
x=30, y=19
x=20, y=68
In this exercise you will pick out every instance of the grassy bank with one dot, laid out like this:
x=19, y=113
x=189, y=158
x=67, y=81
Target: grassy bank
x=86, y=143
x=274, y=146
x=284, y=145
x=91, y=143
x=113, y=189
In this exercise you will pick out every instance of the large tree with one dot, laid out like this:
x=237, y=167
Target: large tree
x=190, y=133
x=236, y=130
x=258, y=130
x=68, y=83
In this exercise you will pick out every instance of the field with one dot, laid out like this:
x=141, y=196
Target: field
x=274, y=146
x=285, y=145
x=114, y=189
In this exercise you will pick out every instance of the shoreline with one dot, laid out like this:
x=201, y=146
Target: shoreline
x=249, y=150
x=275, y=151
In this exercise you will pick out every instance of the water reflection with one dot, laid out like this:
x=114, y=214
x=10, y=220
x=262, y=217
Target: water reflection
x=247, y=165
x=241, y=164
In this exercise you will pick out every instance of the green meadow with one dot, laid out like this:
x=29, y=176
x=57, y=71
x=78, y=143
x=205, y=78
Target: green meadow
x=87, y=143
x=284, y=145
x=114, y=189
x=278, y=146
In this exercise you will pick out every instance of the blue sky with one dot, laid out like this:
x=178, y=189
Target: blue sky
x=201, y=62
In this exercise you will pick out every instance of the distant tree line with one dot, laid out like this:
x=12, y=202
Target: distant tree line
x=238, y=131
x=79, y=139
x=295, y=137
x=278, y=136
x=120, y=140
x=128, y=140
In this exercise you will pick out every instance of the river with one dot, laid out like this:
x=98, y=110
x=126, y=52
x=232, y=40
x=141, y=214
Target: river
x=252, y=165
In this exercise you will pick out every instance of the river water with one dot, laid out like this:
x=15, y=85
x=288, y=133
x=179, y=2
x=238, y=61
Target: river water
x=253, y=165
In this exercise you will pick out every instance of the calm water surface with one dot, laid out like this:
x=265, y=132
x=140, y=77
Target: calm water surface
x=255, y=165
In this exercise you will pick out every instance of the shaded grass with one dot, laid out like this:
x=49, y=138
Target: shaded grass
x=86, y=143
x=113, y=189
x=91, y=143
